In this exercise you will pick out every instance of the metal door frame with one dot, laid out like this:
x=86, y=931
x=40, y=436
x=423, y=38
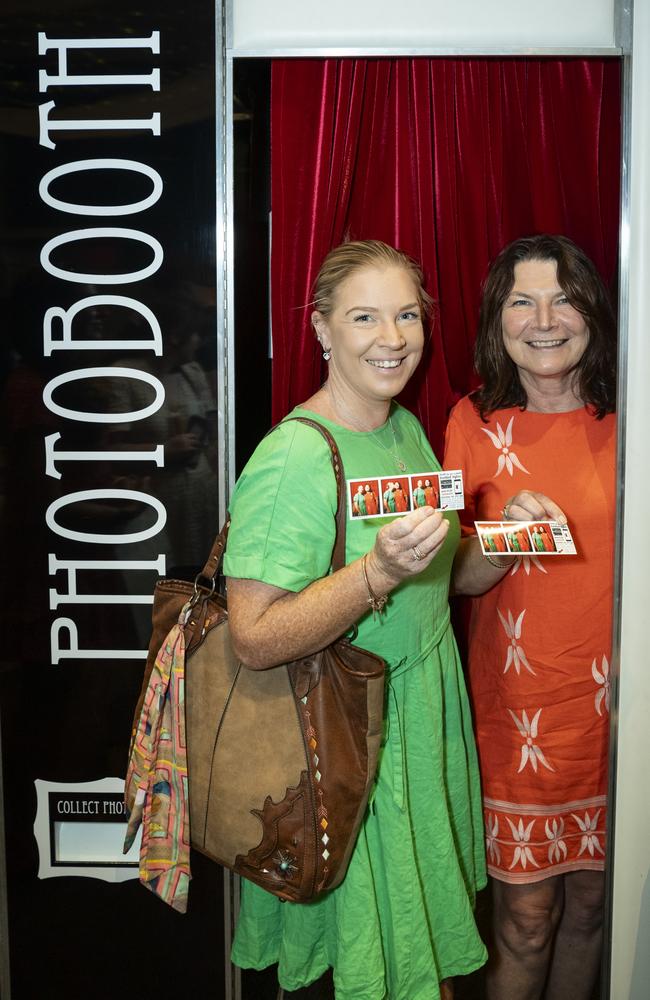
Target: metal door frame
x=226, y=56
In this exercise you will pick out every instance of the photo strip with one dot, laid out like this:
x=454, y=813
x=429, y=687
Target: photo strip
x=525, y=538
x=390, y=496
x=364, y=497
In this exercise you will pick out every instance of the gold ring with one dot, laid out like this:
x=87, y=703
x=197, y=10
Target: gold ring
x=417, y=554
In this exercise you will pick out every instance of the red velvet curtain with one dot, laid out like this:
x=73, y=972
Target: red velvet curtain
x=448, y=159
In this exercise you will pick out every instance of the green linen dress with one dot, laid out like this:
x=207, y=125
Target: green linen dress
x=402, y=920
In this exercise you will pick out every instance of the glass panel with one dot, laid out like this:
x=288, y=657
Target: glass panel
x=108, y=458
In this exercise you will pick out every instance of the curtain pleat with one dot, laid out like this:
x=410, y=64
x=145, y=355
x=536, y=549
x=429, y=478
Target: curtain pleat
x=448, y=159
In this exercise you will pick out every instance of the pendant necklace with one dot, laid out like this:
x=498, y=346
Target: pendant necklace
x=401, y=464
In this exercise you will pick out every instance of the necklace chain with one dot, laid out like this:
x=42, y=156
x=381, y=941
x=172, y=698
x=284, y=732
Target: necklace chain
x=401, y=464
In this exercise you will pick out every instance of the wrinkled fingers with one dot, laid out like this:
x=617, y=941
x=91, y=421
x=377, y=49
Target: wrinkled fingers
x=528, y=505
x=405, y=547
x=423, y=551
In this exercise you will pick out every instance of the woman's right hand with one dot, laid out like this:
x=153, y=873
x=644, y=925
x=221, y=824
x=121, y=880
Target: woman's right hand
x=406, y=546
x=528, y=505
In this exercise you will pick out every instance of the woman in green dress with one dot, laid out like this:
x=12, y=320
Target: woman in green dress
x=389, y=498
x=419, y=496
x=401, y=924
x=537, y=540
x=359, y=501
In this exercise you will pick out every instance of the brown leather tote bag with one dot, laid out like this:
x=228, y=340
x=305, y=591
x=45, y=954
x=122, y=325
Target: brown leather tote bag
x=280, y=761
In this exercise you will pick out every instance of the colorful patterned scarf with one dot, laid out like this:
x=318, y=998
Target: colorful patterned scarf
x=156, y=782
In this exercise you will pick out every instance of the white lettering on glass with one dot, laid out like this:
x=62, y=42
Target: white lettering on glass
x=104, y=418
x=50, y=343
x=60, y=195
x=102, y=232
x=101, y=538
x=74, y=652
x=73, y=566
x=77, y=166
x=52, y=456
x=64, y=79
x=45, y=125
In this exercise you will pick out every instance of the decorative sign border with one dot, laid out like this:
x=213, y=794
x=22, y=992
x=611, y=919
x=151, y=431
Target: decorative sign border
x=68, y=812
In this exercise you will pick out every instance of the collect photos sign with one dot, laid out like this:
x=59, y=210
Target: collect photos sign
x=80, y=828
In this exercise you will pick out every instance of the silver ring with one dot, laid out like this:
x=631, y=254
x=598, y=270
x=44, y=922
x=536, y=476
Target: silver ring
x=417, y=554
x=505, y=512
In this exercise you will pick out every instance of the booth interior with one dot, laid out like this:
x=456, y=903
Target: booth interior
x=448, y=159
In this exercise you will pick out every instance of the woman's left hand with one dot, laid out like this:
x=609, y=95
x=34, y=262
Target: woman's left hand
x=406, y=546
x=528, y=505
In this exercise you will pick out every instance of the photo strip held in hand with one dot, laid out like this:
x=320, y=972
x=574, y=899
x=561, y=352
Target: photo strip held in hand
x=521, y=538
x=390, y=496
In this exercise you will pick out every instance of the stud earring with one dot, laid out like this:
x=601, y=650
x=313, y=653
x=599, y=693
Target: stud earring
x=327, y=355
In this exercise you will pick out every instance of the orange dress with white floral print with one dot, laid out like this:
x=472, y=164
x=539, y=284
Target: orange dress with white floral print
x=540, y=641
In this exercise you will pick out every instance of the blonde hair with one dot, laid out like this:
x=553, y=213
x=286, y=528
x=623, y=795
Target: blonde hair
x=347, y=258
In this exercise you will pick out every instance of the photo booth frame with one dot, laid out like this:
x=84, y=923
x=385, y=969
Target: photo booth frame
x=618, y=28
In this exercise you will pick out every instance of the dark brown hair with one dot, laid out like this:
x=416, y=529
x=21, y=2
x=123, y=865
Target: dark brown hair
x=595, y=374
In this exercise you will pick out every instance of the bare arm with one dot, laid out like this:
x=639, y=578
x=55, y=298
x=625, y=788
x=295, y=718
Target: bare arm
x=269, y=625
x=472, y=573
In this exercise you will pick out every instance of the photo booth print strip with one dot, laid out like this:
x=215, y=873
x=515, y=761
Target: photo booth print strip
x=392, y=496
x=525, y=538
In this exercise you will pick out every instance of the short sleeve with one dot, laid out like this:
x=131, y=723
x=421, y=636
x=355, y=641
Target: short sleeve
x=457, y=456
x=283, y=511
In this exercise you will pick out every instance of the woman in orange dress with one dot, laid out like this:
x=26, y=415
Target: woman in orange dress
x=547, y=541
x=500, y=542
x=371, y=500
x=401, y=502
x=537, y=441
x=524, y=541
x=431, y=494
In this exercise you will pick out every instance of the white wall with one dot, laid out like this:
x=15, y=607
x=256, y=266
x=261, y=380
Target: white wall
x=396, y=24
x=630, y=978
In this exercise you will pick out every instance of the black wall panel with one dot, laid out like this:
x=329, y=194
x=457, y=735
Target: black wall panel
x=123, y=82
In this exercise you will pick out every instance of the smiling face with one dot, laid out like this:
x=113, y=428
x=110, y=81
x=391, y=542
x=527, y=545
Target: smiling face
x=374, y=333
x=542, y=332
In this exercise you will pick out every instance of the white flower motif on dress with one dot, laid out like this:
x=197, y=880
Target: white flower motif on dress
x=590, y=841
x=530, y=751
x=602, y=678
x=515, y=652
x=523, y=853
x=502, y=441
x=526, y=561
x=491, y=842
x=557, y=849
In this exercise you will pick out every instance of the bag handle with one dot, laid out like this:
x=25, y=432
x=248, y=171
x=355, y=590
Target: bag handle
x=206, y=580
x=338, y=552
